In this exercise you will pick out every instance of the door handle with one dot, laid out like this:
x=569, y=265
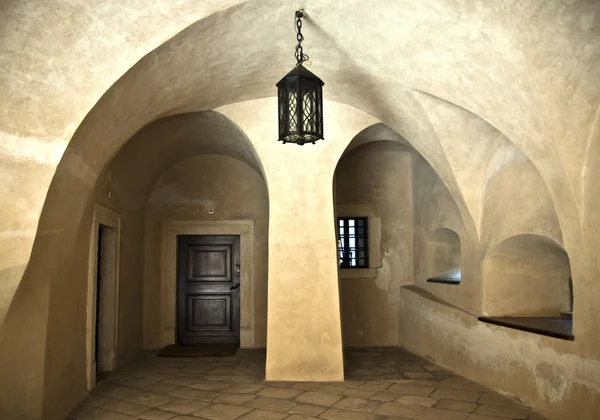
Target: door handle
x=237, y=286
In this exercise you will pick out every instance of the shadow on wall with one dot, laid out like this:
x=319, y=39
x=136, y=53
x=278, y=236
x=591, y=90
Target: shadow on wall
x=444, y=256
x=527, y=275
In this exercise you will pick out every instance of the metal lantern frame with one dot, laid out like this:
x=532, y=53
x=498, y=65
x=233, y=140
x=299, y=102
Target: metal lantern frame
x=300, y=99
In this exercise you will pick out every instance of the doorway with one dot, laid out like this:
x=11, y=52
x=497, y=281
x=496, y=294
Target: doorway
x=102, y=306
x=103, y=274
x=208, y=289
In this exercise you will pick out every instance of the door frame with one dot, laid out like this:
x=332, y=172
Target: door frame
x=173, y=228
x=110, y=305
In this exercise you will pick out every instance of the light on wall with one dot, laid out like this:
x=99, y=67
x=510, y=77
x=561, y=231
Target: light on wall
x=300, y=104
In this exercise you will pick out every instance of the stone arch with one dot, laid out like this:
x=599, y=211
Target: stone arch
x=526, y=275
x=373, y=180
x=517, y=94
x=57, y=267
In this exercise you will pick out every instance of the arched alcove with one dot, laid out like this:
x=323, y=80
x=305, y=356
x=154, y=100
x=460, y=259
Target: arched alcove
x=526, y=275
x=206, y=194
x=444, y=256
x=372, y=193
x=64, y=253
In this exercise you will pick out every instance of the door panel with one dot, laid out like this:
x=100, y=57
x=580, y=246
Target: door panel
x=208, y=299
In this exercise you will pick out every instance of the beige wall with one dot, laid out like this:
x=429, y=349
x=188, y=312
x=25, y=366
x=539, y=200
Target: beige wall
x=75, y=94
x=375, y=180
x=526, y=275
x=542, y=372
x=185, y=192
x=65, y=376
x=433, y=209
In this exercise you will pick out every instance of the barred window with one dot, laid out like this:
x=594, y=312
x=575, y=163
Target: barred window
x=353, y=242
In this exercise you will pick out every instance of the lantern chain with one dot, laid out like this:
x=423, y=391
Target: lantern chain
x=300, y=56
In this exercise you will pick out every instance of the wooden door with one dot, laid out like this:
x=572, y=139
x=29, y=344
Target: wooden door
x=208, y=289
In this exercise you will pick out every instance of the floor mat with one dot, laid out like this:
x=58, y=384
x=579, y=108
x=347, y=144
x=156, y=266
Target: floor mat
x=174, y=350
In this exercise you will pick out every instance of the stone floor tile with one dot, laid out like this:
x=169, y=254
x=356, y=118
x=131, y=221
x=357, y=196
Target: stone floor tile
x=282, y=393
x=307, y=386
x=179, y=380
x=222, y=371
x=150, y=399
x=384, y=396
x=332, y=389
x=467, y=407
x=235, y=399
x=156, y=414
x=491, y=398
x=338, y=414
x=357, y=404
x=418, y=382
x=243, y=388
x=94, y=413
x=279, y=384
x=352, y=383
x=502, y=411
x=137, y=382
x=307, y=409
x=274, y=404
x=418, y=375
x=462, y=383
x=416, y=400
x=422, y=391
x=373, y=374
x=208, y=385
x=116, y=391
x=300, y=417
x=194, y=394
x=263, y=415
x=112, y=404
x=456, y=394
x=243, y=379
x=161, y=387
x=484, y=417
x=183, y=406
x=221, y=412
x=216, y=378
x=380, y=385
x=440, y=414
x=395, y=409
x=318, y=398
x=359, y=393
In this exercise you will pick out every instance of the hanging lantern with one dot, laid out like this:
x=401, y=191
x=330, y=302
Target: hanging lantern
x=300, y=95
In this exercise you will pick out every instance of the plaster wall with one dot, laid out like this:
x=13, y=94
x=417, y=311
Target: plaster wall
x=515, y=199
x=65, y=380
x=541, y=372
x=375, y=180
x=526, y=275
x=186, y=192
x=528, y=69
x=434, y=208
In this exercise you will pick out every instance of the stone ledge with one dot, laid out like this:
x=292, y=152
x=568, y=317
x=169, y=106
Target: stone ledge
x=444, y=281
x=549, y=326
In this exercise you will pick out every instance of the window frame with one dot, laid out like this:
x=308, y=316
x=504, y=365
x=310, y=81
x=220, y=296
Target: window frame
x=344, y=259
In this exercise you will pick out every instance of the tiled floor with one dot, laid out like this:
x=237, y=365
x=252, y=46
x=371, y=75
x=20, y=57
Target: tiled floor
x=381, y=383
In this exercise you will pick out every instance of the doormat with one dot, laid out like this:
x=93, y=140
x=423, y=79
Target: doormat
x=174, y=350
